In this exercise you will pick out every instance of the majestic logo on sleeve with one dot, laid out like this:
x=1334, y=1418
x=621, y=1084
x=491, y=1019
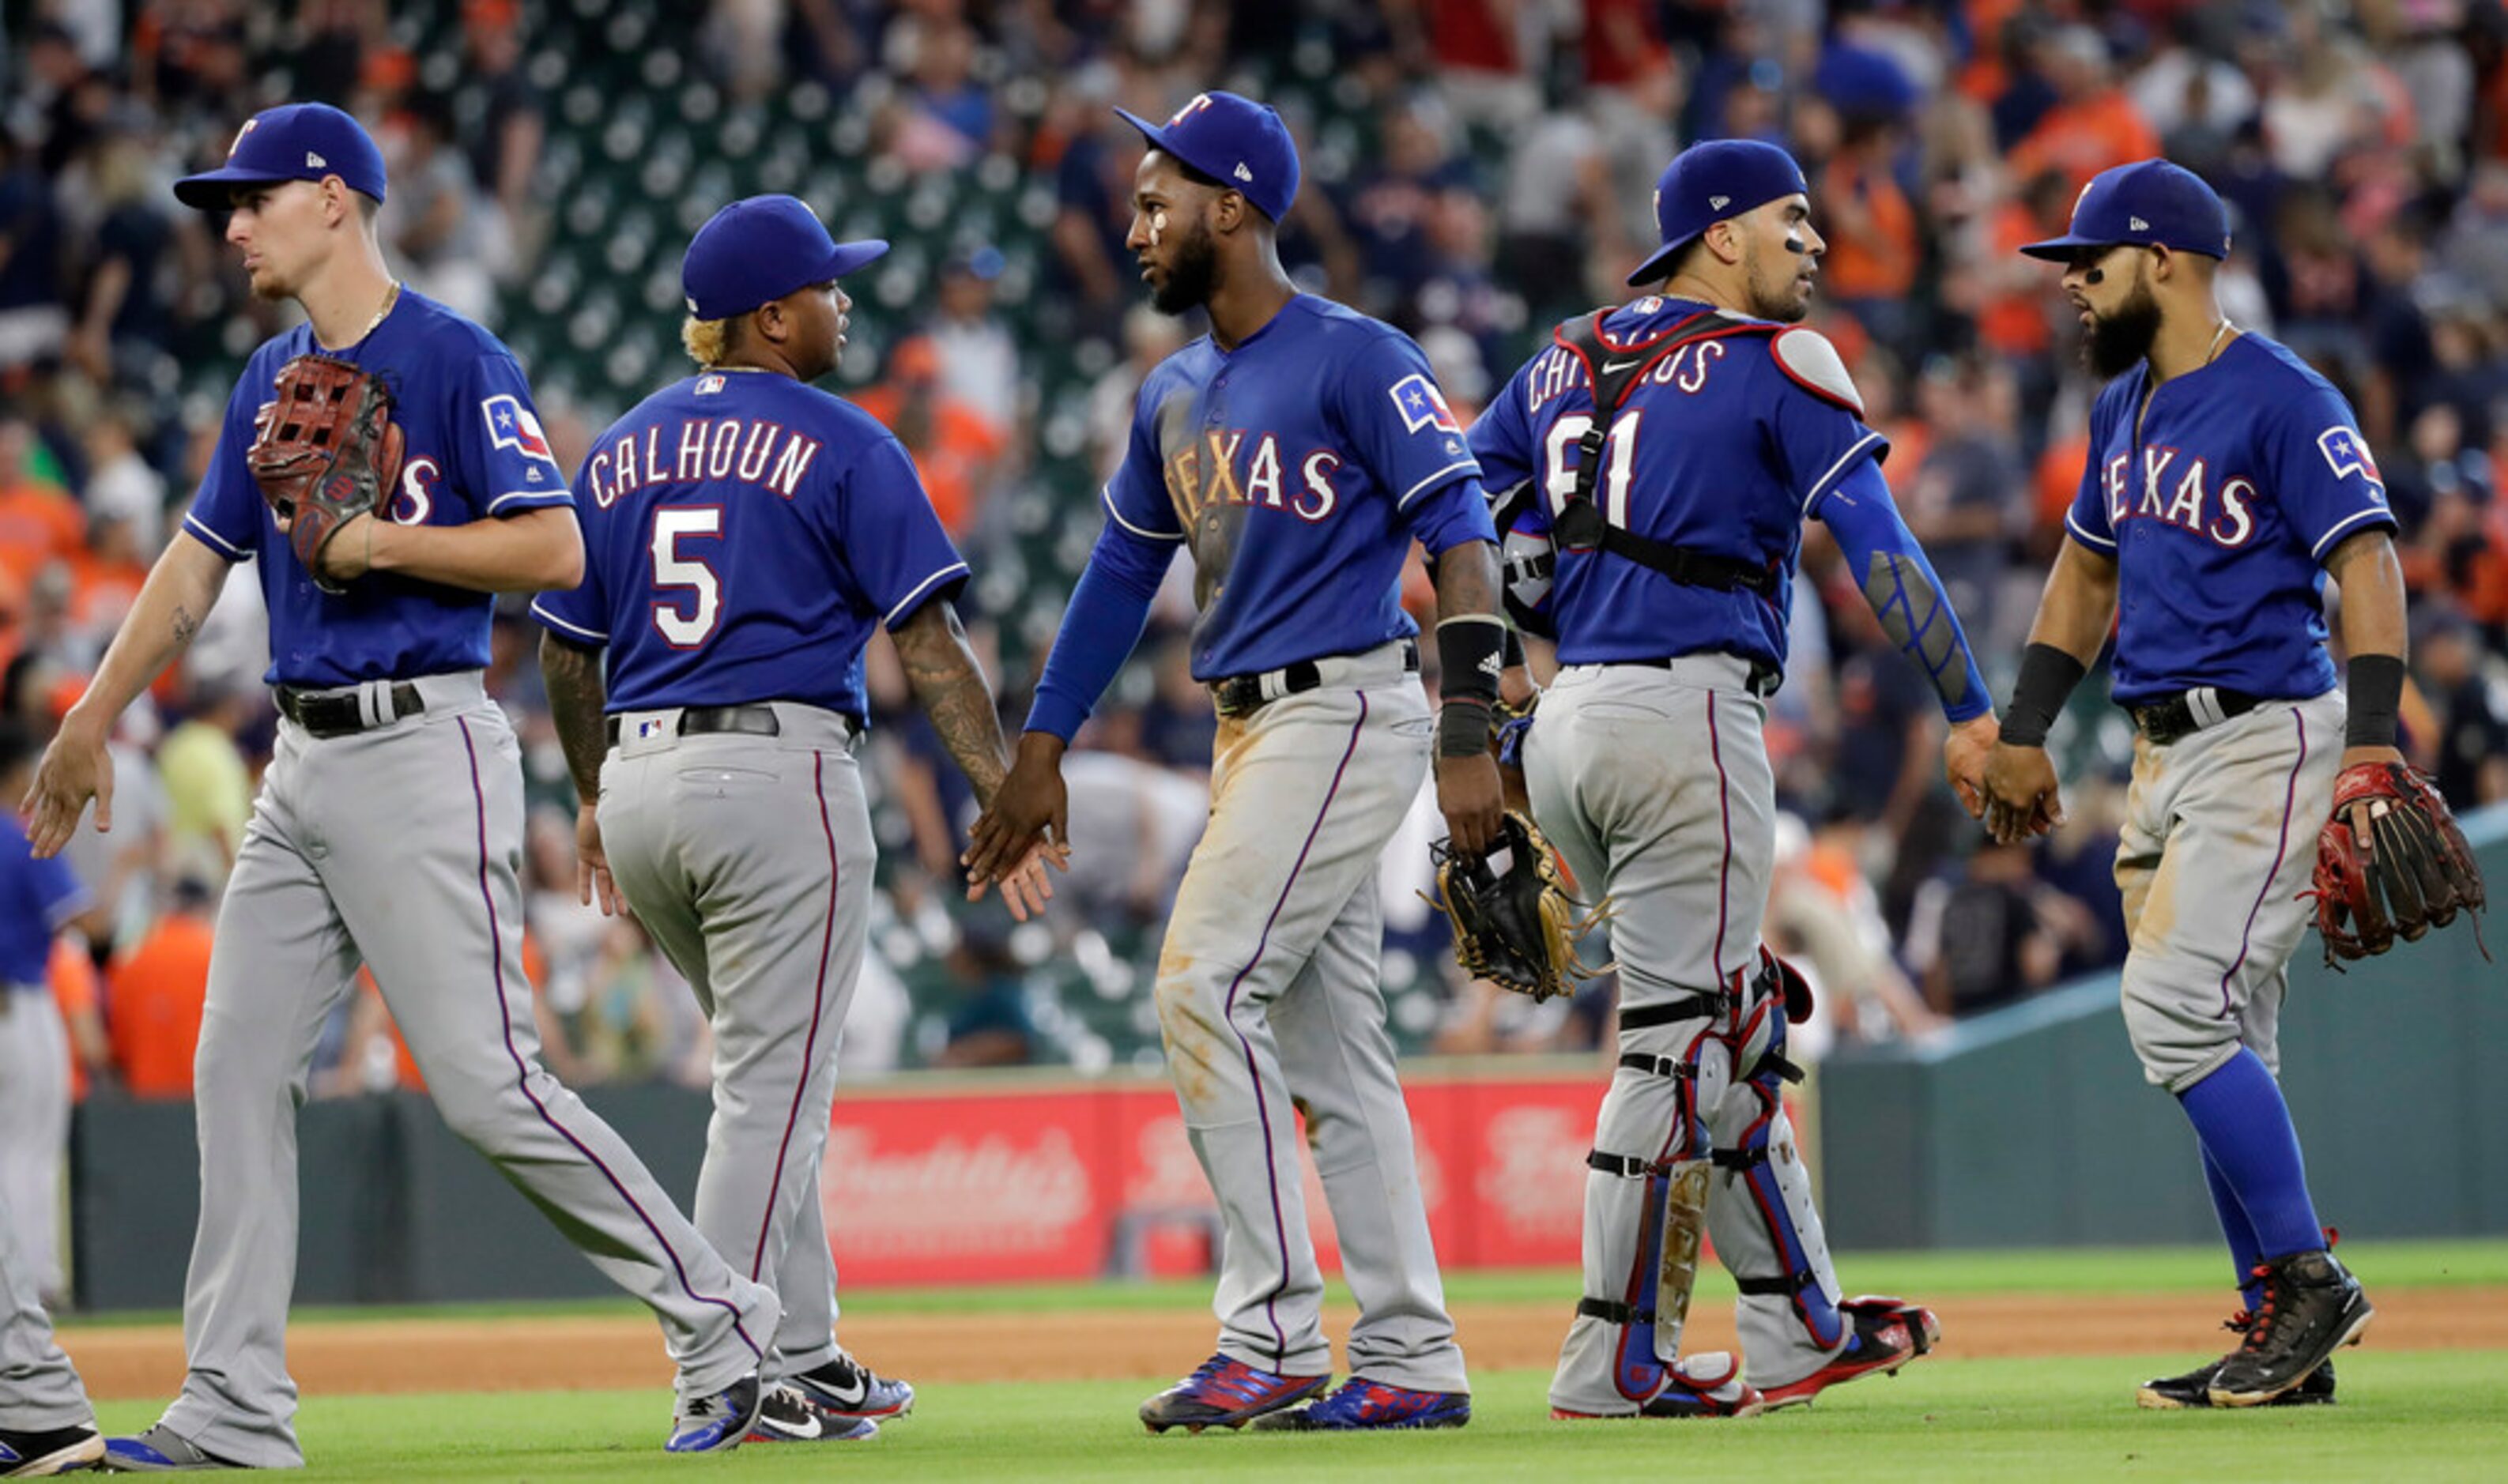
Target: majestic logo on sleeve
x=1421, y=405
x=512, y=426
x=2347, y=454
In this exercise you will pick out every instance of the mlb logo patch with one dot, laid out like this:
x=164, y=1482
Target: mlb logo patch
x=1422, y=406
x=707, y=385
x=649, y=727
x=512, y=426
x=2347, y=453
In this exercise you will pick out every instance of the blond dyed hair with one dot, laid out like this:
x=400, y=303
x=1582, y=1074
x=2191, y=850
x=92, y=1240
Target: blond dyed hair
x=708, y=341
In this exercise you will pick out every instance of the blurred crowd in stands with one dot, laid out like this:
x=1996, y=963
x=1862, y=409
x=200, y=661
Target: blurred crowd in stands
x=1476, y=171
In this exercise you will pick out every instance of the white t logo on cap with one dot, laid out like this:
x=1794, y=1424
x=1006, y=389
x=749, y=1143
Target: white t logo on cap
x=239, y=138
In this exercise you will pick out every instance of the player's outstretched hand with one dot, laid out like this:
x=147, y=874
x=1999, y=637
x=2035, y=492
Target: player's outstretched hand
x=1964, y=757
x=1026, y=889
x=1472, y=798
x=592, y=883
x=1028, y=811
x=75, y=769
x=2022, y=799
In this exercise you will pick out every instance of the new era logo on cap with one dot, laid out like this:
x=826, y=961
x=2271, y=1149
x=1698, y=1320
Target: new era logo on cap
x=313, y=161
x=2137, y=224
x=1717, y=202
x=1243, y=173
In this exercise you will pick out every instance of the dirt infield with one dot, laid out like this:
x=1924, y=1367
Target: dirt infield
x=423, y=1354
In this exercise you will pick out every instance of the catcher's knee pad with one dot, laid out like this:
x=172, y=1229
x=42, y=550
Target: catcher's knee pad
x=1766, y=1229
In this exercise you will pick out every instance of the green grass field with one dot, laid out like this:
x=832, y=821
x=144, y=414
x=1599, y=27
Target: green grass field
x=2403, y=1415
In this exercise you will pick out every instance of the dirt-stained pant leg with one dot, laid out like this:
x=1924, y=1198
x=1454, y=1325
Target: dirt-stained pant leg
x=39, y=1389
x=435, y=904
x=1305, y=793
x=281, y=959
x=1338, y=1062
x=2218, y=842
x=750, y=860
x=1656, y=787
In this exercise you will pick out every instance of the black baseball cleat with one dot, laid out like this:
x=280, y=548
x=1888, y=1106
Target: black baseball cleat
x=2171, y=1394
x=2311, y=1307
x=39, y=1453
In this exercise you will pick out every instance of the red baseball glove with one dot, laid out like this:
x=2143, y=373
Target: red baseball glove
x=324, y=451
x=2390, y=862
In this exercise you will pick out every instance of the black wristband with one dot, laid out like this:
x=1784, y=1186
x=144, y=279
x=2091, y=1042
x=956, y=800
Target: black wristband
x=1511, y=654
x=1469, y=656
x=2048, y=676
x=1464, y=727
x=2375, y=690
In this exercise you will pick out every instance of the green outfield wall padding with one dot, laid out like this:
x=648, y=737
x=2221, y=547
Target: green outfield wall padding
x=2032, y=1125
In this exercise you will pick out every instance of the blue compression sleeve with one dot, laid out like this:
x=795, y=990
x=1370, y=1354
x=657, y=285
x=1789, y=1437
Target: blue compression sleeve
x=2240, y=1115
x=1108, y=610
x=1891, y=570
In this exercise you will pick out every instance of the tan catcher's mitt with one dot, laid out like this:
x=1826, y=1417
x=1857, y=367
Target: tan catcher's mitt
x=1516, y=928
x=324, y=451
x=2390, y=863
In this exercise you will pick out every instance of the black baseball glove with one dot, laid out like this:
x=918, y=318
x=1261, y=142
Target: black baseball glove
x=1514, y=923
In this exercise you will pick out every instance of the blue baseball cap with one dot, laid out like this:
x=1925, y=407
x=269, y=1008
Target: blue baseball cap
x=294, y=141
x=2148, y=203
x=1237, y=142
x=1710, y=183
x=761, y=248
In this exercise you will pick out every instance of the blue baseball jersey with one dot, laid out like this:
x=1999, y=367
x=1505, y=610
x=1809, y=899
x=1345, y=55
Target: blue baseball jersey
x=2220, y=511
x=742, y=535
x=1718, y=450
x=36, y=897
x=1296, y=468
x=473, y=450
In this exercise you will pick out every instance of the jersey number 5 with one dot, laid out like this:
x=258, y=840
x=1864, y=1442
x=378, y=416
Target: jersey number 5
x=685, y=627
x=1561, y=456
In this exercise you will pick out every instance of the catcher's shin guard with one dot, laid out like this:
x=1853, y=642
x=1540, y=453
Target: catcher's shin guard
x=1644, y=1213
x=1766, y=1229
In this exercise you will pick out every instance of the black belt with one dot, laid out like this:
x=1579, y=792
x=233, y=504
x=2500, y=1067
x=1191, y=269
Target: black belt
x=338, y=712
x=1243, y=695
x=2183, y=714
x=698, y=720
x=1764, y=681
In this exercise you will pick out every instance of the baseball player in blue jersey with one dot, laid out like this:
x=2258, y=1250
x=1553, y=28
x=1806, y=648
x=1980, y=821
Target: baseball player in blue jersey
x=743, y=533
x=390, y=820
x=45, y=1425
x=1296, y=451
x=2226, y=482
x=1666, y=528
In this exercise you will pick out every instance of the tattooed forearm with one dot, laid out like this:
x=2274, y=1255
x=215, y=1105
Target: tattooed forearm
x=950, y=687
x=185, y=627
x=575, y=696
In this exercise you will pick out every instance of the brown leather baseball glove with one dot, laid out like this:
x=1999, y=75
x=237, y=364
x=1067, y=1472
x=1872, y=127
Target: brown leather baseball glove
x=1514, y=923
x=324, y=451
x=2390, y=863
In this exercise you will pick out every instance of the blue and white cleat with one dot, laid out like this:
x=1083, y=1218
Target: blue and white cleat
x=717, y=1424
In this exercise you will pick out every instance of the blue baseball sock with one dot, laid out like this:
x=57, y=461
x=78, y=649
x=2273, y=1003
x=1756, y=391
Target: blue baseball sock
x=2240, y=1233
x=2247, y=1135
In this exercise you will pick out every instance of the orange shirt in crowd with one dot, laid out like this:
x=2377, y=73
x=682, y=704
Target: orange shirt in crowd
x=961, y=444
x=2059, y=478
x=72, y=972
x=2083, y=137
x=153, y=999
x=37, y=524
x=1875, y=264
x=2016, y=323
